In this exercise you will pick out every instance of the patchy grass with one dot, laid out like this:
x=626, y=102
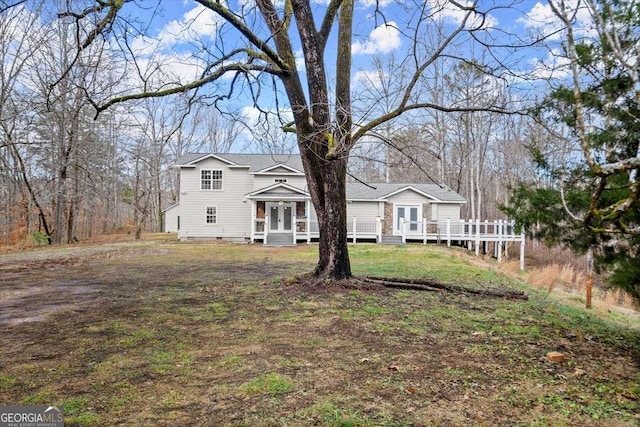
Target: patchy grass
x=167, y=333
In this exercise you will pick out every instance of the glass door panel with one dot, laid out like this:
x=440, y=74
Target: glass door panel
x=286, y=212
x=274, y=218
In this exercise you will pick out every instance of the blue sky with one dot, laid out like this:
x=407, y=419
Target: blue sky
x=184, y=20
x=177, y=34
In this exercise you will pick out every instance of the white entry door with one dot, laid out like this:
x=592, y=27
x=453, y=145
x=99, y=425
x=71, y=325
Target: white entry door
x=404, y=214
x=280, y=217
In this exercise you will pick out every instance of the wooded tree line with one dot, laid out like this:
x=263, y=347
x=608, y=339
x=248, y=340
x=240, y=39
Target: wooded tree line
x=66, y=175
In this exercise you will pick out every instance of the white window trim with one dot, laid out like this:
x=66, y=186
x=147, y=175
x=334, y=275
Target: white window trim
x=212, y=180
x=216, y=215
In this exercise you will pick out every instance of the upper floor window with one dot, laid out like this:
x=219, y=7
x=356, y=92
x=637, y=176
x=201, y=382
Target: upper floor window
x=280, y=180
x=210, y=179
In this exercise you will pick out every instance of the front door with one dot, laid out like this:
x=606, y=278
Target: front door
x=407, y=214
x=280, y=217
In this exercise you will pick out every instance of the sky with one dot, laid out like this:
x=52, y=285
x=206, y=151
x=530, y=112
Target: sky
x=181, y=31
x=183, y=21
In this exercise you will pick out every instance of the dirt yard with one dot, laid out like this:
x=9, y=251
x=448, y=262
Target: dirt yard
x=162, y=333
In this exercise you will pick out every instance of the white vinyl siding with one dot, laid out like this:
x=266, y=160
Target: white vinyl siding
x=172, y=218
x=211, y=215
x=210, y=179
x=363, y=211
x=264, y=181
x=233, y=211
x=443, y=212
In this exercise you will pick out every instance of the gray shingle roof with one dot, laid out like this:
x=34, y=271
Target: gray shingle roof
x=359, y=191
x=256, y=162
x=355, y=190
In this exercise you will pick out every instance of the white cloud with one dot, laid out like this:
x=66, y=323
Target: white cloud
x=195, y=24
x=554, y=66
x=163, y=55
x=299, y=57
x=370, y=78
x=449, y=12
x=383, y=39
x=542, y=20
x=377, y=3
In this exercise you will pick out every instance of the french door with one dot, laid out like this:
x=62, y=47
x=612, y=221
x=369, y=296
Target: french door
x=407, y=214
x=280, y=217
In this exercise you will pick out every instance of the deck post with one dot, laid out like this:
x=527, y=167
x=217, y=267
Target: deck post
x=295, y=230
x=403, y=230
x=477, y=236
x=521, y=249
x=424, y=230
x=266, y=229
x=378, y=230
x=499, y=242
x=448, y=232
x=355, y=223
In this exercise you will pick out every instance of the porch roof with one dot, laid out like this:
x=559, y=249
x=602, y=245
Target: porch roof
x=279, y=191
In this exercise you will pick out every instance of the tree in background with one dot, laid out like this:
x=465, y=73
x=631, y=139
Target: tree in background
x=591, y=203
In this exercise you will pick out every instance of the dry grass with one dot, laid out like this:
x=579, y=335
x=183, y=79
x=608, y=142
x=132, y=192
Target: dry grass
x=563, y=276
x=165, y=334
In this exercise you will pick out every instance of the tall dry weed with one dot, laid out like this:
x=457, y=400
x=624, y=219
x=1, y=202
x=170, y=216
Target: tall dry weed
x=564, y=276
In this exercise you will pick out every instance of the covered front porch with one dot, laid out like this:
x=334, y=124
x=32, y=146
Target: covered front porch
x=285, y=223
x=282, y=215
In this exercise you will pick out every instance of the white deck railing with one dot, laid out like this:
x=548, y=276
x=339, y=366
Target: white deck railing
x=471, y=233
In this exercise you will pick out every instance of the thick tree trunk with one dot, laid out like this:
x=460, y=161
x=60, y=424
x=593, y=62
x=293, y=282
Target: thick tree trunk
x=327, y=180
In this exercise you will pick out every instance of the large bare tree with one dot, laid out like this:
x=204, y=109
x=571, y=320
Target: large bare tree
x=254, y=46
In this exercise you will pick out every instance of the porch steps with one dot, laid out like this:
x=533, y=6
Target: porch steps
x=391, y=240
x=280, y=240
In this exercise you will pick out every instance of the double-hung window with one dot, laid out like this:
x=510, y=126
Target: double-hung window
x=210, y=179
x=211, y=216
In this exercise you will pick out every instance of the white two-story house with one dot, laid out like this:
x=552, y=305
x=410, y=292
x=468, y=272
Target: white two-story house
x=264, y=197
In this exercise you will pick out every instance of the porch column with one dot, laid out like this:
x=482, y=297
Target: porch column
x=307, y=211
x=266, y=228
x=294, y=228
x=378, y=230
x=253, y=221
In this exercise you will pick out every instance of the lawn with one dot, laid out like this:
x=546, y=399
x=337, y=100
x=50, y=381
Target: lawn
x=162, y=333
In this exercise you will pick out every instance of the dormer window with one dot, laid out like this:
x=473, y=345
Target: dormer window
x=210, y=179
x=280, y=180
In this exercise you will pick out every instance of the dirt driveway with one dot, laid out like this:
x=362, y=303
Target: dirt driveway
x=35, y=284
